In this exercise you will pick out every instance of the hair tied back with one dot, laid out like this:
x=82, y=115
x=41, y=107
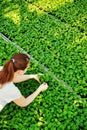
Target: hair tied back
x=13, y=60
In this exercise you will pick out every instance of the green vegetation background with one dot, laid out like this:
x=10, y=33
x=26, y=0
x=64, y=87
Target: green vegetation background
x=55, y=34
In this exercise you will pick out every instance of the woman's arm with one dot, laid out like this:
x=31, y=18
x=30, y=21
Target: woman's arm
x=23, y=102
x=22, y=78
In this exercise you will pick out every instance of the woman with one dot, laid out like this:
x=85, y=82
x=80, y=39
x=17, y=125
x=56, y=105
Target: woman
x=13, y=72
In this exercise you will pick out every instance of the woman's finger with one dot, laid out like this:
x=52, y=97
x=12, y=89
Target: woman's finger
x=40, y=74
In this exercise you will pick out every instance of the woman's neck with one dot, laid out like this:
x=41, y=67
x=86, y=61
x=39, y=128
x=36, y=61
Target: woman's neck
x=0, y=86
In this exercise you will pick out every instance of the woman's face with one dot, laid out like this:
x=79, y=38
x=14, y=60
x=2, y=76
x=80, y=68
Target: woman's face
x=27, y=67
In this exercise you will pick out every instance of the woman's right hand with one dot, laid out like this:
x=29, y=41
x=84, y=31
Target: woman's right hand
x=43, y=86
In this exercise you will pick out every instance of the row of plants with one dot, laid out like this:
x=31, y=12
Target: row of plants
x=69, y=11
x=61, y=47
x=55, y=40
x=59, y=107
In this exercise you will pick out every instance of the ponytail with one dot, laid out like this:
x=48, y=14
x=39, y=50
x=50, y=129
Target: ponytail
x=17, y=62
x=7, y=73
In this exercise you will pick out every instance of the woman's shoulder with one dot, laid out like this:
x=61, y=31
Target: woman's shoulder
x=10, y=84
x=7, y=86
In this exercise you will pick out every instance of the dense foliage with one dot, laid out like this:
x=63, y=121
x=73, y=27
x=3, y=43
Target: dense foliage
x=55, y=34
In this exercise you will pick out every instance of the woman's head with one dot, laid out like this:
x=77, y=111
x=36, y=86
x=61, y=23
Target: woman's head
x=18, y=62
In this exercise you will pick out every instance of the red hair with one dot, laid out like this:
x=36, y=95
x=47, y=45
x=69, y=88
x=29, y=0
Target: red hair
x=17, y=62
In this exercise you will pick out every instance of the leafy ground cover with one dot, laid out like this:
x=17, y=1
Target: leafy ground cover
x=48, y=38
x=53, y=109
x=54, y=33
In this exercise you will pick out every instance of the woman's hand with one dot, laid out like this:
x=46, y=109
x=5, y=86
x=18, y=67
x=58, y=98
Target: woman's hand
x=43, y=86
x=22, y=101
x=36, y=77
